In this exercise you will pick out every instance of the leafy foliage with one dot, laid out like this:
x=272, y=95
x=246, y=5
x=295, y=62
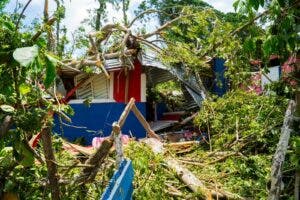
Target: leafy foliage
x=281, y=36
x=243, y=120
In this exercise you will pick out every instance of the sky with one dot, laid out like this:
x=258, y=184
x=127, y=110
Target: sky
x=77, y=10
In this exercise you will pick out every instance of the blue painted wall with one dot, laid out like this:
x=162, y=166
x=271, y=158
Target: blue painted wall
x=161, y=108
x=98, y=119
x=220, y=85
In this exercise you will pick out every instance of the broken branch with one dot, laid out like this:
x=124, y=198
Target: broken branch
x=51, y=166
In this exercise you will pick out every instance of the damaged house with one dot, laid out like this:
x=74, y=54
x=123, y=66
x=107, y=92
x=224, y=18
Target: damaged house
x=108, y=95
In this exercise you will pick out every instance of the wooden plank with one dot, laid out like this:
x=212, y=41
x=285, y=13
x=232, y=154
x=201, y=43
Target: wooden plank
x=125, y=113
x=144, y=123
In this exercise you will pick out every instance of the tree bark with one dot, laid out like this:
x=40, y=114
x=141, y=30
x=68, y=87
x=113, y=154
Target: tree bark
x=58, y=29
x=297, y=185
x=50, y=161
x=297, y=120
x=6, y=124
x=88, y=173
x=50, y=41
x=279, y=156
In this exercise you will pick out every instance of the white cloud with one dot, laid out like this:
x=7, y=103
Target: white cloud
x=224, y=5
x=76, y=12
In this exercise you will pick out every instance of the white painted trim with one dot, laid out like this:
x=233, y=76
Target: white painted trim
x=111, y=85
x=143, y=87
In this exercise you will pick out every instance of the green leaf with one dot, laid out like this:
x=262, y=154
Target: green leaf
x=281, y=2
x=254, y=4
x=24, y=88
x=26, y=55
x=52, y=58
x=262, y=3
x=7, y=108
x=6, y=156
x=9, y=25
x=236, y=4
x=249, y=45
x=50, y=70
x=23, y=155
x=28, y=157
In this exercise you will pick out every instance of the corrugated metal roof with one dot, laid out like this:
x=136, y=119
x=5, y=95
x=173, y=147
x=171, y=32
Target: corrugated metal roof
x=164, y=73
x=157, y=72
x=110, y=65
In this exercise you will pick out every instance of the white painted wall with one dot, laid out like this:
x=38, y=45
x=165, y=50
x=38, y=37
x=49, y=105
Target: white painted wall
x=273, y=75
x=143, y=87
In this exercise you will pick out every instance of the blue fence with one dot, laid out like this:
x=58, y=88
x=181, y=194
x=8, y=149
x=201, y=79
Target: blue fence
x=120, y=185
x=96, y=121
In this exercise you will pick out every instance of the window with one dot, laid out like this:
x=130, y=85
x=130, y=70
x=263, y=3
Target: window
x=96, y=87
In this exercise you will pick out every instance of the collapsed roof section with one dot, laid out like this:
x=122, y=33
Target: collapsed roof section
x=155, y=70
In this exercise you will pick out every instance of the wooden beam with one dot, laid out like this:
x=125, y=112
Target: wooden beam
x=144, y=123
x=125, y=113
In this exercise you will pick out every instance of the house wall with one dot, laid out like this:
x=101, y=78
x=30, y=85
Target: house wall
x=96, y=121
x=220, y=82
x=106, y=107
x=134, y=89
x=272, y=75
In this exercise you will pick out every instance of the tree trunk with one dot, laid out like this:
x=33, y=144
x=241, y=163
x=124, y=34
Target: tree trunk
x=125, y=4
x=297, y=120
x=6, y=124
x=187, y=176
x=50, y=41
x=50, y=161
x=57, y=29
x=88, y=173
x=279, y=156
x=297, y=185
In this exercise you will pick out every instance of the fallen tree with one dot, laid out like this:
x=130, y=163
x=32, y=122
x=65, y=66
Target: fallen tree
x=187, y=176
x=279, y=156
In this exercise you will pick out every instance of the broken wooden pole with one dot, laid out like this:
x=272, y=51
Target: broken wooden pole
x=125, y=113
x=188, y=119
x=279, y=156
x=95, y=160
x=118, y=143
x=144, y=123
